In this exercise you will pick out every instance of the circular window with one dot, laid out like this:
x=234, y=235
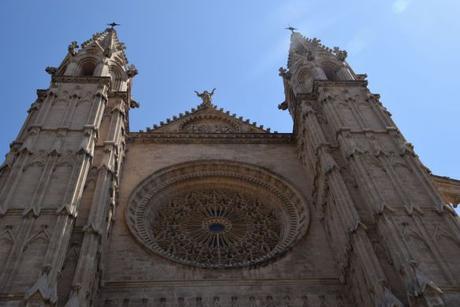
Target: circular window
x=216, y=214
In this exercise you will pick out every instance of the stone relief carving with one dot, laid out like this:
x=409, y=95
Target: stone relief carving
x=209, y=124
x=217, y=214
x=209, y=127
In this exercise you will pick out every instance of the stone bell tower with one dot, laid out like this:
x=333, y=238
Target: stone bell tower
x=396, y=243
x=58, y=185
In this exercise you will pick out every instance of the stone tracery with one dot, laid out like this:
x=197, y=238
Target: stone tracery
x=217, y=214
x=216, y=228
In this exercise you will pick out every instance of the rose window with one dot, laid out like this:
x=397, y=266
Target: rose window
x=217, y=228
x=216, y=215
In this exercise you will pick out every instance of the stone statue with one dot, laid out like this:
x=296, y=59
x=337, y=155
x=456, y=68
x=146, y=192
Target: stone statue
x=206, y=96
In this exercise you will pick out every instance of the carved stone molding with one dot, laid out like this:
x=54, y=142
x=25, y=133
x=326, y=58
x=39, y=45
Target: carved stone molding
x=217, y=214
x=209, y=124
x=81, y=79
x=206, y=138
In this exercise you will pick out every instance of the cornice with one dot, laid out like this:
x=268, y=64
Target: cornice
x=81, y=79
x=327, y=83
x=314, y=281
x=317, y=84
x=213, y=112
x=211, y=138
x=123, y=95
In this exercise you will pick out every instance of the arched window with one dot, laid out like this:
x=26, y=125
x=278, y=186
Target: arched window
x=330, y=70
x=87, y=68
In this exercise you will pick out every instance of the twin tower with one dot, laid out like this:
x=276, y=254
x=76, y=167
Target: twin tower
x=210, y=209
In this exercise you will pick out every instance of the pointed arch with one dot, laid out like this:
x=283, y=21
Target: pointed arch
x=57, y=112
x=331, y=70
x=85, y=201
x=33, y=253
x=306, y=75
x=67, y=271
x=63, y=67
x=117, y=77
x=57, y=185
x=305, y=79
x=118, y=60
x=81, y=114
x=4, y=174
x=27, y=184
x=86, y=66
x=411, y=182
x=7, y=241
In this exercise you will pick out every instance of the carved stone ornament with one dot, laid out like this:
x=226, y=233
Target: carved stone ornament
x=209, y=126
x=217, y=214
x=73, y=46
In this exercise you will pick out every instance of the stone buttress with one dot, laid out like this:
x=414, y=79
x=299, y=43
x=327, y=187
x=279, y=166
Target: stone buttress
x=396, y=242
x=59, y=181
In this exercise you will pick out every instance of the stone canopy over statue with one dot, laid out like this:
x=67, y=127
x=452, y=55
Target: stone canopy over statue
x=206, y=96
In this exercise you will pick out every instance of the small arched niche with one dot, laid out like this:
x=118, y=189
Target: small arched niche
x=331, y=71
x=117, y=79
x=87, y=68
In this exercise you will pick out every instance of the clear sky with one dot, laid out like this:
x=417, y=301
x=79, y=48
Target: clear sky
x=409, y=48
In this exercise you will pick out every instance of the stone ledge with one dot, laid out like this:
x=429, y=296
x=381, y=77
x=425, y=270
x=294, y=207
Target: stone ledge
x=223, y=138
x=312, y=282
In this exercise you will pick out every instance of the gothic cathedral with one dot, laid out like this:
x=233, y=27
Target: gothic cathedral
x=210, y=209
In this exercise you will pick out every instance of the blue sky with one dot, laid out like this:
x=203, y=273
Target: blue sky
x=409, y=49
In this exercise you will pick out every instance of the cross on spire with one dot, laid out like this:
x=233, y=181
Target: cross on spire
x=113, y=25
x=291, y=28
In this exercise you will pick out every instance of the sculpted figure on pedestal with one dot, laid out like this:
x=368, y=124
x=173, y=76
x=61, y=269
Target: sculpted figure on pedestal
x=206, y=96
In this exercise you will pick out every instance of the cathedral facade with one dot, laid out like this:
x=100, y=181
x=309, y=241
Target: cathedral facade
x=211, y=209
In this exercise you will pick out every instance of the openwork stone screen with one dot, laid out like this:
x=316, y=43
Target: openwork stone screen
x=217, y=214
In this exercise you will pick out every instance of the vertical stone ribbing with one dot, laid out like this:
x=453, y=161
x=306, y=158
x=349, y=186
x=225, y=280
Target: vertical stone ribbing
x=368, y=182
x=44, y=175
x=352, y=247
x=396, y=203
x=95, y=230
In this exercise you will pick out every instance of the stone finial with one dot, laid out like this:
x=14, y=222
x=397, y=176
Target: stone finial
x=315, y=41
x=340, y=54
x=73, y=48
